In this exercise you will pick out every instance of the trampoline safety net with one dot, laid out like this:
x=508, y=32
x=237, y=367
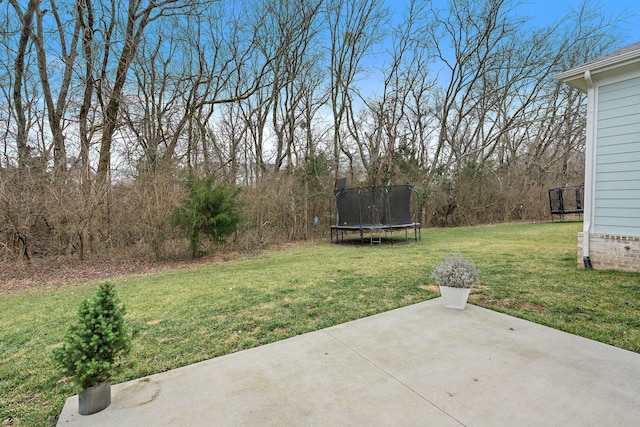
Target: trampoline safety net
x=374, y=210
x=566, y=200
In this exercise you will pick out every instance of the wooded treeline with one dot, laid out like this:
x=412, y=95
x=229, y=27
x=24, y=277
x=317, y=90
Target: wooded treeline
x=108, y=106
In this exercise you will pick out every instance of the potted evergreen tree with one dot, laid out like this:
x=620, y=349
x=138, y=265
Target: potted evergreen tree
x=92, y=347
x=455, y=276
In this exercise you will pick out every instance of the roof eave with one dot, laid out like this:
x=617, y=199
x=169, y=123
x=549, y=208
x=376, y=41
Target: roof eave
x=575, y=77
x=576, y=81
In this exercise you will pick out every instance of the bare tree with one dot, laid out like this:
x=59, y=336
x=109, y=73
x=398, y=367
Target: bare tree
x=138, y=17
x=387, y=130
x=294, y=26
x=26, y=21
x=477, y=32
x=354, y=28
x=67, y=56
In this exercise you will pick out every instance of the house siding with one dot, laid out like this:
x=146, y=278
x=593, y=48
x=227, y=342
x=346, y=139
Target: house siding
x=617, y=175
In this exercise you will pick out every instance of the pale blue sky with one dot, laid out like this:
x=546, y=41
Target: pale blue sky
x=547, y=11
x=540, y=13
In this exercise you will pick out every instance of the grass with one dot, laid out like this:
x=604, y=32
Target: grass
x=181, y=317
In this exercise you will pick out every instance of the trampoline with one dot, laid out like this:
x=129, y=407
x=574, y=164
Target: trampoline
x=373, y=211
x=565, y=201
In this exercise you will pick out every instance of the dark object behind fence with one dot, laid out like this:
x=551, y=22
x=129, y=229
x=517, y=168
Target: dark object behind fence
x=566, y=200
x=374, y=210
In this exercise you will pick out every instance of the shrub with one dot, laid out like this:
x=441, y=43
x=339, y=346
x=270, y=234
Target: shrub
x=92, y=345
x=209, y=210
x=455, y=272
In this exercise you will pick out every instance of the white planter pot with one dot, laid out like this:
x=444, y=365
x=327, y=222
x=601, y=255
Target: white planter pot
x=454, y=297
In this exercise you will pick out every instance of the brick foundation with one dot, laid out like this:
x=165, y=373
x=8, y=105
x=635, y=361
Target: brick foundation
x=611, y=252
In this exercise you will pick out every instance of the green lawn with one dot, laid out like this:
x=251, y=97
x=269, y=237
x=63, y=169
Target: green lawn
x=181, y=317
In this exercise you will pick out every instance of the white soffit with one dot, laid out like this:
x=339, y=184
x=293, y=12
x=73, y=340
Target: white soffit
x=621, y=61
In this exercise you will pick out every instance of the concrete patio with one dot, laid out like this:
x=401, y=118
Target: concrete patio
x=421, y=365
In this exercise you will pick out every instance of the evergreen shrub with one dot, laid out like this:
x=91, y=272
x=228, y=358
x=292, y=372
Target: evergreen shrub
x=93, y=345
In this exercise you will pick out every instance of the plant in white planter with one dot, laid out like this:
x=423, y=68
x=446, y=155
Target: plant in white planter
x=455, y=276
x=92, y=347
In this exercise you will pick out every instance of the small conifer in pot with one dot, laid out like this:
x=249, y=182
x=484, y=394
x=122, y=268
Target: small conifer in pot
x=93, y=345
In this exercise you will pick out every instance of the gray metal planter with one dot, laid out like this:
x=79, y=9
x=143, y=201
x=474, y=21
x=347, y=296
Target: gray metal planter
x=94, y=399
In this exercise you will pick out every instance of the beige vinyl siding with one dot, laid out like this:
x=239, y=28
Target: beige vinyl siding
x=617, y=189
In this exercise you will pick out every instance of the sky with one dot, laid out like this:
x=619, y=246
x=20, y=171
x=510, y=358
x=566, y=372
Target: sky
x=540, y=13
x=545, y=12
